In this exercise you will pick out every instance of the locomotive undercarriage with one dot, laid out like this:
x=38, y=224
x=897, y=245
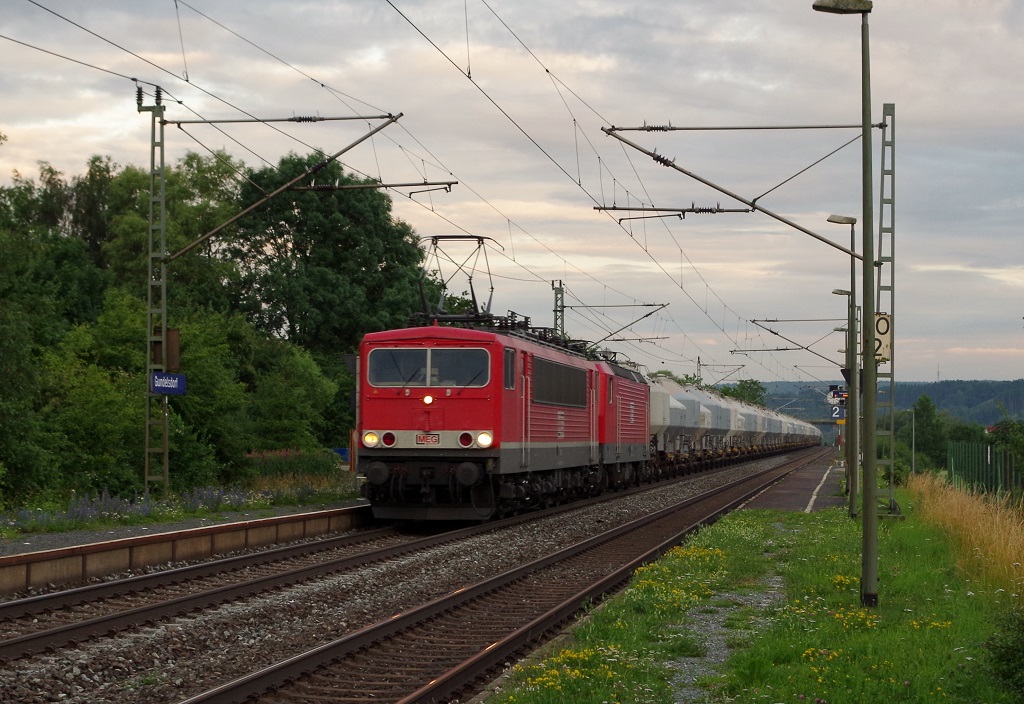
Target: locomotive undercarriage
x=472, y=490
x=466, y=490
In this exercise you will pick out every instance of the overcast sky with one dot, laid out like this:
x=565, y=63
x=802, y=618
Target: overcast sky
x=509, y=97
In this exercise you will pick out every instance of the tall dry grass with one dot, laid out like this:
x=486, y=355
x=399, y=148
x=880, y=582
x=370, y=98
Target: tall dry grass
x=343, y=484
x=988, y=531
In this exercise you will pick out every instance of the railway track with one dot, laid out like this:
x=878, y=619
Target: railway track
x=46, y=570
x=45, y=622
x=48, y=621
x=447, y=648
x=153, y=656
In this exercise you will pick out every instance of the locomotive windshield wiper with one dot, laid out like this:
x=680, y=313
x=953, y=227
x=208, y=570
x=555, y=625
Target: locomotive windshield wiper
x=394, y=361
x=398, y=368
x=475, y=377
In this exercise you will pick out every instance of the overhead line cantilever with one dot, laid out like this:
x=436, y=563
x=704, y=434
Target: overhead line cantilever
x=672, y=128
x=749, y=203
x=295, y=118
x=308, y=172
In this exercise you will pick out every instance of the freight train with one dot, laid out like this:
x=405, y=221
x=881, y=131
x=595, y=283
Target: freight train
x=469, y=424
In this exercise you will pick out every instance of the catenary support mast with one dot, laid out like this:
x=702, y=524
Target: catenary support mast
x=156, y=462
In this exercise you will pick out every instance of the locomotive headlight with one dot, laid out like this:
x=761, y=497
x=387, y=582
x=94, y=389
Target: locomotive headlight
x=484, y=439
x=428, y=399
x=371, y=439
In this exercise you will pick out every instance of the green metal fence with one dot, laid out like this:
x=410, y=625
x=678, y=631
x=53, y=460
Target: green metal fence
x=983, y=468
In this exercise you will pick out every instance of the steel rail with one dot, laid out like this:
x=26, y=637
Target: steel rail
x=40, y=603
x=78, y=631
x=453, y=680
x=459, y=679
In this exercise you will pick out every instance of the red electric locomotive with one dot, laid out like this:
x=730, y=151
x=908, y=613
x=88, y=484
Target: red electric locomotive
x=465, y=424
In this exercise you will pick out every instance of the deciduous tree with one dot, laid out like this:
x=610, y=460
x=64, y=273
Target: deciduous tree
x=321, y=268
x=747, y=390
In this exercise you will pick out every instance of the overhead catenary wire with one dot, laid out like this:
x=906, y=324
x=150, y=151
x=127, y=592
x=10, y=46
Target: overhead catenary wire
x=154, y=65
x=559, y=86
x=181, y=39
x=558, y=81
x=722, y=327
x=402, y=127
x=553, y=78
x=214, y=123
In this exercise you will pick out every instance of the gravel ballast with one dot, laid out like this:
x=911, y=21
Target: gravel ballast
x=173, y=660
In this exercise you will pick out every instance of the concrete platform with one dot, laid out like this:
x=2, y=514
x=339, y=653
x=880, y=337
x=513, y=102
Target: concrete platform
x=813, y=488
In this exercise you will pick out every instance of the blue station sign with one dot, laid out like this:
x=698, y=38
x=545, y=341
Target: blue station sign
x=168, y=384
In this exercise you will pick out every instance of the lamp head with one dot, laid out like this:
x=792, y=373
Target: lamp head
x=842, y=219
x=843, y=7
x=841, y=292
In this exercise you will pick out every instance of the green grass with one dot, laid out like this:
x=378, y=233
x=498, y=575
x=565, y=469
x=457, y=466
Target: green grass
x=925, y=642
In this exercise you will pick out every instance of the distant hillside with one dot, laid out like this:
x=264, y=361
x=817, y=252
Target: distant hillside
x=975, y=401
x=970, y=401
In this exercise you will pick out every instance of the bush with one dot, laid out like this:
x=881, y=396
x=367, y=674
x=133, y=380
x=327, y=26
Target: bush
x=1007, y=649
x=192, y=462
x=277, y=463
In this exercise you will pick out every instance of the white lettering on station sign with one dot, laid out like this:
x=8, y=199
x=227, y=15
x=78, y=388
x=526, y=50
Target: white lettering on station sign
x=169, y=384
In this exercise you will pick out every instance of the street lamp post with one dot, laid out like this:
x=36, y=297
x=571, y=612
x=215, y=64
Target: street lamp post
x=869, y=556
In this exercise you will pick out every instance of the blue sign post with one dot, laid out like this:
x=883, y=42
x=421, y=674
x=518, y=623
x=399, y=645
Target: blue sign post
x=167, y=384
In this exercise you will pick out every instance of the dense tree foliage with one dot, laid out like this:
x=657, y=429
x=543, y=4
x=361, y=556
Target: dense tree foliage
x=983, y=402
x=747, y=390
x=266, y=310
x=1009, y=435
x=926, y=431
x=685, y=379
x=321, y=268
x=929, y=431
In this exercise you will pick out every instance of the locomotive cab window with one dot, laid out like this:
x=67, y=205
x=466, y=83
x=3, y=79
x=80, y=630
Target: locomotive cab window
x=452, y=367
x=398, y=367
x=459, y=367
